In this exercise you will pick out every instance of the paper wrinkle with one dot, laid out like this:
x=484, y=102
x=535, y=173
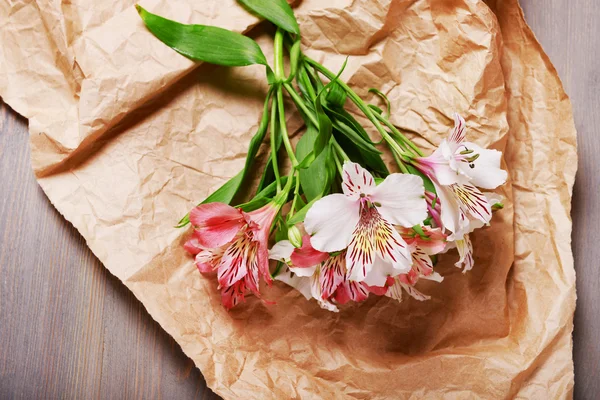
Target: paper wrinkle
x=127, y=136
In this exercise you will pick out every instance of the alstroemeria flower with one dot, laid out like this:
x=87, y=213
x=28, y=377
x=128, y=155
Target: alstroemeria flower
x=456, y=169
x=234, y=244
x=433, y=242
x=457, y=161
x=463, y=243
x=422, y=269
x=325, y=280
x=362, y=220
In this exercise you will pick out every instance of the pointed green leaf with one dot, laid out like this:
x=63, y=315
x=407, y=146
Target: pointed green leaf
x=336, y=96
x=314, y=178
x=278, y=12
x=385, y=99
x=204, y=43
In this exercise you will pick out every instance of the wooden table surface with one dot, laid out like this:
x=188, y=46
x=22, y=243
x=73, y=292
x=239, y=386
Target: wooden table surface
x=68, y=328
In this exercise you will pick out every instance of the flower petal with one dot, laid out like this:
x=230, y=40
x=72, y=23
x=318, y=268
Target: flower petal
x=356, y=180
x=207, y=260
x=318, y=295
x=433, y=243
x=350, y=290
x=380, y=272
x=231, y=296
x=485, y=171
x=436, y=277
x=307, y=256
x=375, y=236
x=453, y=217
x=301, y=284
x=414, y=293
x=402, y=199
x=421, y=262
x=458, y=134
x=465, y=250
x=332, y=274
x=475, y=202
x=216, y=223
x=310, y=271
x=192, y=246
x=331, y=221
x=281, y=251
x=236, y=261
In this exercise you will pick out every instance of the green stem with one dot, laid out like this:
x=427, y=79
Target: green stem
x=283, y=127
x=340, y=151
x=338, y=163
x=278, y=55
x=360, y=104
x=274, y=144
x=400, y=163
x=296, y=194
x=401, y=136
x=300, y=103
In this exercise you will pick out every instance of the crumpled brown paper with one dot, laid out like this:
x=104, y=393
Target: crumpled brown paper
x=127, y=135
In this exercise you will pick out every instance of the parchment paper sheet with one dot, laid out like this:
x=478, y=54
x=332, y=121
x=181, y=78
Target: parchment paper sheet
x=127, y=136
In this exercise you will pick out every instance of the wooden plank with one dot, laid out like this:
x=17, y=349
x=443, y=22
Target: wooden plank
x=570, y=34
x=68, y=328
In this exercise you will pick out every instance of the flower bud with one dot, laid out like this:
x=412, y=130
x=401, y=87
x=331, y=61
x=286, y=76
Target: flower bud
x=295, y=236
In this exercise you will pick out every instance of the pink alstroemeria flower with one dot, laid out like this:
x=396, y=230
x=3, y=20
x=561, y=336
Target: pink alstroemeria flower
x=457, y=168
x=319, y=275
x=362, y=221
x=233, y=243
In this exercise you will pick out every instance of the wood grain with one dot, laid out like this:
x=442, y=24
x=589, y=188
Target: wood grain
x=69, y=329
x=570, y=34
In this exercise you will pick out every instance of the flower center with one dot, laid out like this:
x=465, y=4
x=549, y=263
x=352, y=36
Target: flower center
x=468, y=156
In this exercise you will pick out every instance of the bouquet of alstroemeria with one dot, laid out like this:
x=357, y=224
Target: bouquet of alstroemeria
x=367, y=230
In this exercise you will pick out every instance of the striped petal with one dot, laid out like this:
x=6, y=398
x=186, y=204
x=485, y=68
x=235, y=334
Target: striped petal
x=458, y=134
x=475, y=202
x=332, y=274
x=356, y=180
x=465, y=251
x=233, y=295
x=239, y=258
x=208, y=260
x=453, y=216
x=375, y=236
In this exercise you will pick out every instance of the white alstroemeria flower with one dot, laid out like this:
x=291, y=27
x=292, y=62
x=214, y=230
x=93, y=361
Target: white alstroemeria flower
x=463, y=243
x=362, y=220
x=321, y=277
x=457, y=168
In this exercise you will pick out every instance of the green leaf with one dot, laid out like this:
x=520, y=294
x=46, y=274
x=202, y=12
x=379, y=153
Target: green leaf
x=348, y=127
x=376, y=109
x=278, y=12
x=204, y=43
x=263, y=197
x=337, y=96
x=314, y=178
x=385, y=99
